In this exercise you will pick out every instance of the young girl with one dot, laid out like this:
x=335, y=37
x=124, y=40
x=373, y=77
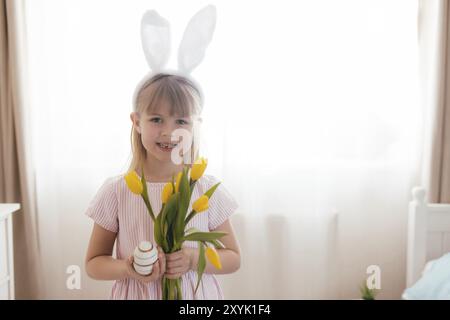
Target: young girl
x=164, y=103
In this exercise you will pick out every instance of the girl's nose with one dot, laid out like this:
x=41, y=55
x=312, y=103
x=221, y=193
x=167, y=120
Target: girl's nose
x=167, y=130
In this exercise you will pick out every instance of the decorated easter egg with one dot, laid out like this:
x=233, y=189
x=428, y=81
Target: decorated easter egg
x=145, y=255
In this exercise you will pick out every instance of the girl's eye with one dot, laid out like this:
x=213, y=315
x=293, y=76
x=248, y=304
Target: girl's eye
x=182, y=122
x=156, y=120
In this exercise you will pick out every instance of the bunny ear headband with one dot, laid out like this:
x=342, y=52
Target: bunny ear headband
x=155, y=35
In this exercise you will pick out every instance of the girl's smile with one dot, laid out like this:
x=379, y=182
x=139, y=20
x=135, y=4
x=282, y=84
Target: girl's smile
x=166, y=147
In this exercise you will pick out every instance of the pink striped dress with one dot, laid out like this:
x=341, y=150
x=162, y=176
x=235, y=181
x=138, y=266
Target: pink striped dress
x=116, y=209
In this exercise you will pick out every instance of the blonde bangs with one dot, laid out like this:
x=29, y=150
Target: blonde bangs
x=178, y=93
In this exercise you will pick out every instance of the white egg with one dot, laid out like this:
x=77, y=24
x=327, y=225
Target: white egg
x=151, y=259
x=143, y=270
x=145, y=255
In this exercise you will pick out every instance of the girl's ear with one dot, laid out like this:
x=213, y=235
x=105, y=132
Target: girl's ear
x=134, y=116
x=196, y=38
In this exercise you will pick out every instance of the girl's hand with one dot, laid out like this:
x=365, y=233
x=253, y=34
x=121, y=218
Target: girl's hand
x=179, y=262
x=159, y=268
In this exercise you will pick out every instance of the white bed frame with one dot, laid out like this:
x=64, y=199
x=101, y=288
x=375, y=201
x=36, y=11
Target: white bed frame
x=6, y=250
x=428, y=234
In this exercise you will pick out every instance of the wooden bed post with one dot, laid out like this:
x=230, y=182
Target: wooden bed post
x=417, y=233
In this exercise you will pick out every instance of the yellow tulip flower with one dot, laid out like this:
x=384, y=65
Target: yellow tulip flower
x=213, y=257
x=134, y=182
x=177, y=182
x=167, y=192
x=201, y=204
x=198, y=168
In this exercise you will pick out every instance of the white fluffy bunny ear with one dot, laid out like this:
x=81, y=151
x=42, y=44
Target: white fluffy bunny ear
x=155, y=35
x=196, y=38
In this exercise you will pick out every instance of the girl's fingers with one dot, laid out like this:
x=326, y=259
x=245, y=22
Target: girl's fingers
x=173, y=276
x=177, y=264
x=172, y=264
x=160, y=268
x=173, y=256
x=156, y=269
x=162, y=265
x=176, y=270
x=152, y=276
x=128, y=267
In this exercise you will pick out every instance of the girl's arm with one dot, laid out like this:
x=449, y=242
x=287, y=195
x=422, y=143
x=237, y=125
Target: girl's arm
x=230, y=257
x=101, y=265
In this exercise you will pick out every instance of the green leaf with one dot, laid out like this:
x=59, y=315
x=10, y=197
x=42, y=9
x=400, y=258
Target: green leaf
x=184, y=187
x=163, y=228
x=171, y=289
x=158, y=231
x=217, y=244
x=204, y=236
x=170, y=241
x=183, y=205
x=191, y=186
x=161, y=218
x=170, y=210
x=184, y=193
x=145, y=195
x=211, y=190
x=168, y=216
x=191, y=230
x=366, y=293
x=165, y=243
x=178, y=286
x=201, y=265
x=189, y=217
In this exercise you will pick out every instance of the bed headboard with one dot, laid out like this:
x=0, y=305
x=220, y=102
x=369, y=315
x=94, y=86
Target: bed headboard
x=428, y=233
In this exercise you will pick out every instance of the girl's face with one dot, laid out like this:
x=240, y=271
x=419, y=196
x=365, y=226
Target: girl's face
x=157, y=129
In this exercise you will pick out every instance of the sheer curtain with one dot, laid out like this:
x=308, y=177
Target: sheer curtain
x=323, y=146
x=311, y=121
x=434, y=36
x=16, y=179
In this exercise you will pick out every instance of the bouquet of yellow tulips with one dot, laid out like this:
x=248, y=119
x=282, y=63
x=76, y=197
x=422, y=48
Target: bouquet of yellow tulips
x=170, y=224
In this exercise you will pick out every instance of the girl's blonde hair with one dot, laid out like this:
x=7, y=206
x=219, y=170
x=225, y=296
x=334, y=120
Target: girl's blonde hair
x=184, y=99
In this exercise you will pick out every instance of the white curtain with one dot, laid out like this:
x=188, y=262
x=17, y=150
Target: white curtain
x=433, y=51
x=311, y=121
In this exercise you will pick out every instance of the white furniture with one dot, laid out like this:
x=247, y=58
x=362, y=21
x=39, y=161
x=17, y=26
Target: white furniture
x=6, y=250
x=428, y=234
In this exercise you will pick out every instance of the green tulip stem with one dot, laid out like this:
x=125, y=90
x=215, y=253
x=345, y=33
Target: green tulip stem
x=189, y=217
